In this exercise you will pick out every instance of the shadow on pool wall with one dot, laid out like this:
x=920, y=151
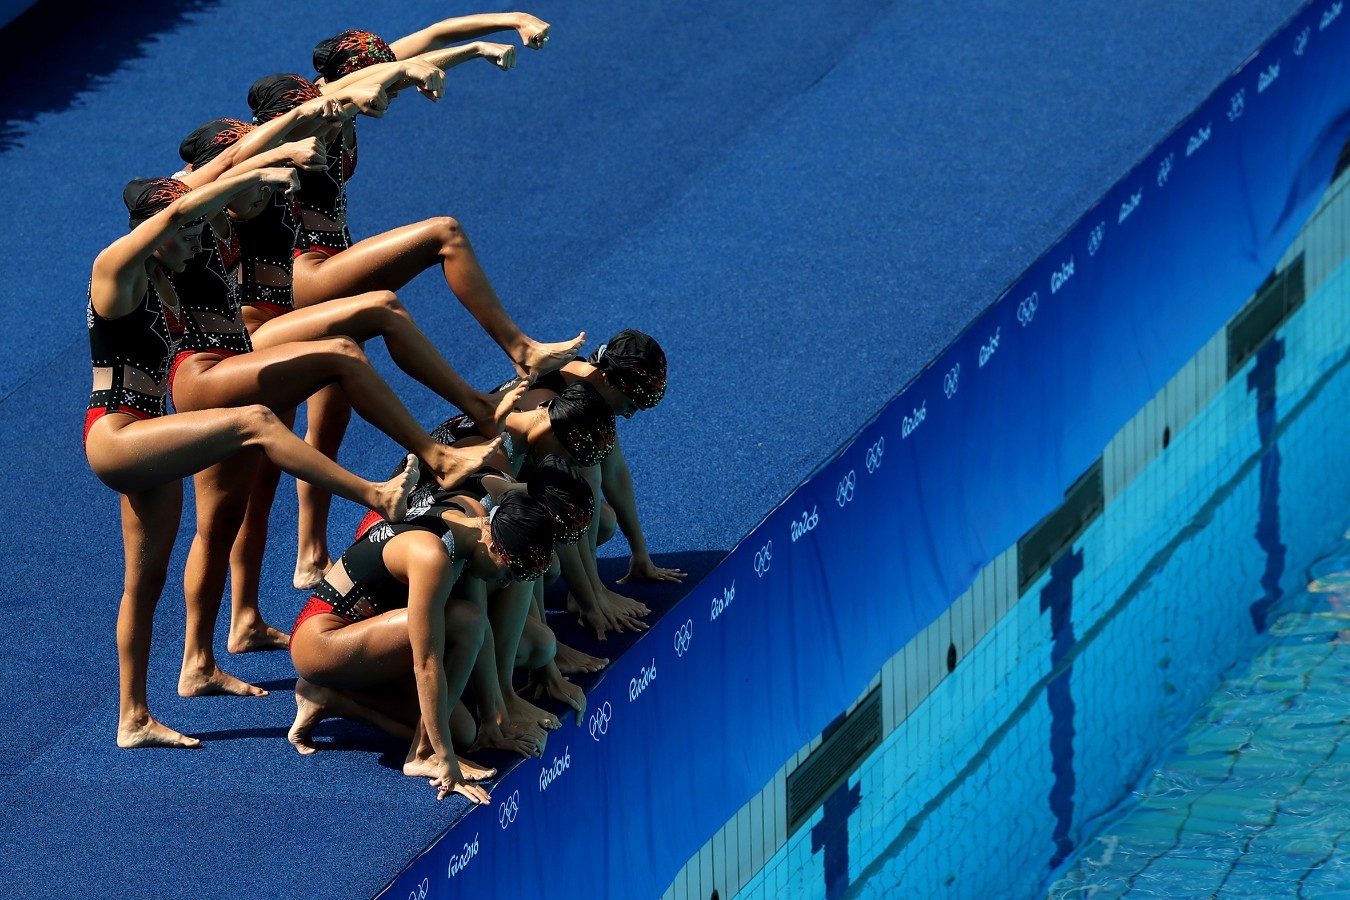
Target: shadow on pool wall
x=869, y=554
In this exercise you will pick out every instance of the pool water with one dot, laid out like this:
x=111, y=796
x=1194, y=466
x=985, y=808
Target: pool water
x=1251, y=799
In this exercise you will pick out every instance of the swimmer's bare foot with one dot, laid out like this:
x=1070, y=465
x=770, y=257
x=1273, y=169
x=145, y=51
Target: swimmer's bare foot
x=550, y=683
x=313, y=704
x=255, y=636
x=490, y=414
x=523, y=712
x=309, y=572
x=451, y=465
x=571, y=661
x=416, y=766
x=527, y=741
x=390, y=499
x=626, y=606
x=212, y=682
x=601, y=618
x=535, y=359
x=145, y=731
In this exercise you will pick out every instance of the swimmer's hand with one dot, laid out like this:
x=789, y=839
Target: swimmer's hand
x=368, y=98
x=641, y=568
x=603, y=617
x=279, y=178
x=308, y=154
x=534, y=33
x=429, y=79
x=503, y=56
x=449, y=779
x=551, y=683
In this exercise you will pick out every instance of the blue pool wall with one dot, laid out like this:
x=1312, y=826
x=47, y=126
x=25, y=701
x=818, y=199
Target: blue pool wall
x=968, y=796
x=874, y=547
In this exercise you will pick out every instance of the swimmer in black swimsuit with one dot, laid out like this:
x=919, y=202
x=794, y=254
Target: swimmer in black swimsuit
x=629, y=371
x=279, y=376
x=363, y=317
x=562, y=488
x=139, y=451
x=579, y=425
x=332, y=267
x=384, y=611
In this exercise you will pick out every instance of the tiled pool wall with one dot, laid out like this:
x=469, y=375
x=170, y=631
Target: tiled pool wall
x=1061, y=694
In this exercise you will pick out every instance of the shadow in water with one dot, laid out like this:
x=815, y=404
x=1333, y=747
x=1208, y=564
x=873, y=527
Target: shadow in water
x=52, y=52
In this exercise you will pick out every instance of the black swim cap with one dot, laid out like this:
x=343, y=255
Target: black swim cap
x=635, y=365
x=522, y=534
x=348, y=52
x=146, y=196
x=583, y=423
x=560, y=486
x=275, y=95
x=208, y=141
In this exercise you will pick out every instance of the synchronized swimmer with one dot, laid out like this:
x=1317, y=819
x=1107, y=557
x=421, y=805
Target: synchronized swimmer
x=238, y=294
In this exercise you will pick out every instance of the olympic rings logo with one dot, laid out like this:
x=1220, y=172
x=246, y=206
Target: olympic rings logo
x=599, y=723
x=874, y=454
x=420, y=893
x=763, y=558
x=506, y=813
x=951, y=381
x=1026, y=310
x=683, y=635
x=1096, y=238
x=843, y=495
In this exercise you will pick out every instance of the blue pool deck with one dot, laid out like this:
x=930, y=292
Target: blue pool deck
x=805, y=208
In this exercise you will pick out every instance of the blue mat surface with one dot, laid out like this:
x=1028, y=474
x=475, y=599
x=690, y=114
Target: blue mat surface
x=804, y=205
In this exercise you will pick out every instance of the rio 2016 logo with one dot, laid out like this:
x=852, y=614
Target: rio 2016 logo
x=808, y=522
x=643, y=680
x=459, y=860
x=722, y=603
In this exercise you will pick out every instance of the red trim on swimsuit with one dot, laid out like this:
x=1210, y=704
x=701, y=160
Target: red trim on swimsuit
x=315, y=607
x=98, y=412
x=276, y=309
x=313, y=248
x=372, y=519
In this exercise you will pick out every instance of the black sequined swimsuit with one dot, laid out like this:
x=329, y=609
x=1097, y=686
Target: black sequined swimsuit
x=131, y=357
x=269, y=242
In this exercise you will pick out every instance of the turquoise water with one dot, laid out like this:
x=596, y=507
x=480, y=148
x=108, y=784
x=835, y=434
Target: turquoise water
x=1224, y=500
x=1251, y=800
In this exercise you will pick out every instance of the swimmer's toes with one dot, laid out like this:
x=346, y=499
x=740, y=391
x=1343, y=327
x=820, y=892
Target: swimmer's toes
x=153, y=734
x=213, y=684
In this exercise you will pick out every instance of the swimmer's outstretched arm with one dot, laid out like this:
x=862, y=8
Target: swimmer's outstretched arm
x=392, y=77
x=616, y=481
x=426, y=634
x=533, y=32
x=309, y=155
x=313, y=118
x=118, y=280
